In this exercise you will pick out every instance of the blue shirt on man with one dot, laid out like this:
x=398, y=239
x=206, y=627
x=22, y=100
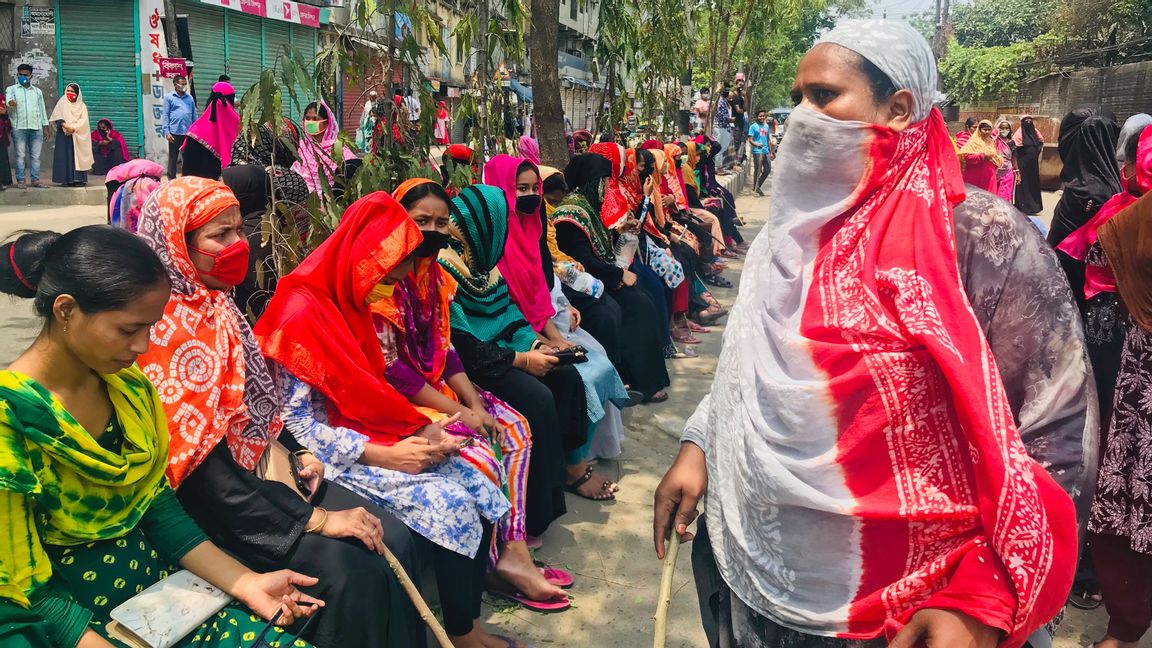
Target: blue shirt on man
x=761, y=138
x=179, y=113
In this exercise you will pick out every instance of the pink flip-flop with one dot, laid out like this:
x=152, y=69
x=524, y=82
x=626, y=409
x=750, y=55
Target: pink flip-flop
x=533, y=542
x=543, y=607
x=561, y=578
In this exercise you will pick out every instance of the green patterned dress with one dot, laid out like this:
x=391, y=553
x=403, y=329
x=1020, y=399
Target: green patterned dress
x=52, y=590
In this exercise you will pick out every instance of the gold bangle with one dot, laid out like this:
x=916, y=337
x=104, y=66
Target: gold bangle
x=320, y=525
x=301, y=453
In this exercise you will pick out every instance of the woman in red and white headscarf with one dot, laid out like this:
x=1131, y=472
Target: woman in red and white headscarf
x=897, y=351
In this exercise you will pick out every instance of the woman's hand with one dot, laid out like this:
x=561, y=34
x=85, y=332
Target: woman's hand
x=416, y=454
x=650, y=185
x=937, y=628
x=536, y=363
x=267, y=594
x=678, y=494
x=668, y=201
x=353, y=523
x=434, y=432
x=579, y=266
x=575, y=324
x=629, y=278
x=473, y=419
x=311, y=471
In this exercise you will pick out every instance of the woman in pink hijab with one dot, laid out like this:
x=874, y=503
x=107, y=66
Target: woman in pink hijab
x=316, y=145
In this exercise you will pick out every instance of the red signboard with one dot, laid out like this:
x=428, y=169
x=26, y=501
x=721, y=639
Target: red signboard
x=172, y=67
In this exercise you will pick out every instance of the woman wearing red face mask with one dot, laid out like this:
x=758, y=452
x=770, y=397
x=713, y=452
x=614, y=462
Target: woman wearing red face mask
x=72, y=158
x=223, y=410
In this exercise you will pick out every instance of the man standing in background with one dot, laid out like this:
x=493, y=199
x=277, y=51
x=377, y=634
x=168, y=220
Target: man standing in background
x=760, y=137
x=739, y=118
x=179, y=113
x=29, y=124
x=722, y=130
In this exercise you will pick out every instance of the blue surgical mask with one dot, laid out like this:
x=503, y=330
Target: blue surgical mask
x=23, y=79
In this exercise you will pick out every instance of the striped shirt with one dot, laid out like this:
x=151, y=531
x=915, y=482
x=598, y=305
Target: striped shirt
x=29, y=113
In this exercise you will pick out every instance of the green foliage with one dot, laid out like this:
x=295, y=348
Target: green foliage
x=972, y=74
x=998, y=23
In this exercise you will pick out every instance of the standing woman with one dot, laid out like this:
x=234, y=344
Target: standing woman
x=316, y=148
x=90, y=519
x=442, y=128
x=5, y=142
x=72, y=158
x=1029, y=147
x=1122, y=511
x=1007, y=176
x=980, y=158
x=1088, y=138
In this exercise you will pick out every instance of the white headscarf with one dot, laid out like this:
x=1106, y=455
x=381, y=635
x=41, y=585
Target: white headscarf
x=74, y=114
x=899, y=51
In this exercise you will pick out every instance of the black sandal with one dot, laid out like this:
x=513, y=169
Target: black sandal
x=1083, y=599
x=574, y=487
x=716, y=280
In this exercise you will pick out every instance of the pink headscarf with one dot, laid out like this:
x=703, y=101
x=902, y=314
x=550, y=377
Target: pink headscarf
x=219, y=125
x=521, y=264
x=530, y=149
x=313, y=156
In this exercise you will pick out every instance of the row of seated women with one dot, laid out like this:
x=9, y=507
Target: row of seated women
x=410, y=364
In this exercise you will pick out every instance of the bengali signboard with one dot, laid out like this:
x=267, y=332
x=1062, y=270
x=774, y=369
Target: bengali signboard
x=286, y=10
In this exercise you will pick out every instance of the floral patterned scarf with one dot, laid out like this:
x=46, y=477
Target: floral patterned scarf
x=203, y=358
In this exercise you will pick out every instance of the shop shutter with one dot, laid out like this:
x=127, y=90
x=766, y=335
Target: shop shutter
x=206, y=31
x=276, y=38
x=97, y=53
x=245, y=51
x=304, y=44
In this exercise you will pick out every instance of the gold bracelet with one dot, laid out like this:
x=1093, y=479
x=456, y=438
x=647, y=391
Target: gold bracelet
x=301, y=453
x=320, y=525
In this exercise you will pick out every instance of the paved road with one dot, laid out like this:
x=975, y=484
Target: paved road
x=18, y=325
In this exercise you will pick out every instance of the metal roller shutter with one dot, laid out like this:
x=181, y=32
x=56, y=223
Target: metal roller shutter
x=245, y=51
x=100, y=55
x=276, y=38
x=304, y=44
x=206, y=31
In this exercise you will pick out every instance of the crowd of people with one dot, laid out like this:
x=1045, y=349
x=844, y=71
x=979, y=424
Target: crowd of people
x=922, y=408
x=433, y=377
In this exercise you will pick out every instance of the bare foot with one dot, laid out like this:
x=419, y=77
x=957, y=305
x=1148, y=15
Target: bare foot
x=479, y=638
x=1112, y=642
x=515, y=569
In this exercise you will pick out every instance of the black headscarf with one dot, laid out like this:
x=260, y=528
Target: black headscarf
x=1028, y=134
x=1090, y=175
x=585, y=173
x=253, y=189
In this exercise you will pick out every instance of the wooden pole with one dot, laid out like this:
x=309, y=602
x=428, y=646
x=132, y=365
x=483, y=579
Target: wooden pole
x=417, y=600
x=665, y=599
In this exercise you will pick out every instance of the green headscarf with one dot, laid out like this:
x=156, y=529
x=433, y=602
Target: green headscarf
x=81, y=491
x=483, y=307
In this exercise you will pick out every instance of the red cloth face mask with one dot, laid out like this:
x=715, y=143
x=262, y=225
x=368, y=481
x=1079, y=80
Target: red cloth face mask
x=71, y=96
x=230, y=265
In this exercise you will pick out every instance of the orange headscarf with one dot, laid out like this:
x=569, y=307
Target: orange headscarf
x=203, y=359
x=318, y=325
x=674, y=176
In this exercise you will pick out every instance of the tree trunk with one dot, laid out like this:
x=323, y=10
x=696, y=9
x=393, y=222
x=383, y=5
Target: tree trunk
x=548, y=110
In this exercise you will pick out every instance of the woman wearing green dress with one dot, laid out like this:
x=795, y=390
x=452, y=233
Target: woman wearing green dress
x=90, y=519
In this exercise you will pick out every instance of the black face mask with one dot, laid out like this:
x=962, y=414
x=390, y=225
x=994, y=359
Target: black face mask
x=528, y=204
x=644, y=175
x=432, y=244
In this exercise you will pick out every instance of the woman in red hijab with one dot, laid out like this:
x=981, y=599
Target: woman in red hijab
x=318, y=332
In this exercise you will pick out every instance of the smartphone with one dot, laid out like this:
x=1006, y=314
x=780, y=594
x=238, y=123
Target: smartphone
x=467, y=442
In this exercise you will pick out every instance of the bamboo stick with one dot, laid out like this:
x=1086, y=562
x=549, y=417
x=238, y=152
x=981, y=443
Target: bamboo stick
x=665, y=598
x=417, y=600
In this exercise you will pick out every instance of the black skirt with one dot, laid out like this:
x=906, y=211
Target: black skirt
x=64, y=161
x=1028, y=199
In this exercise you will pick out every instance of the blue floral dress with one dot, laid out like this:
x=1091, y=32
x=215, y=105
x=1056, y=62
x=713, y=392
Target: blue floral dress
x=445, y=503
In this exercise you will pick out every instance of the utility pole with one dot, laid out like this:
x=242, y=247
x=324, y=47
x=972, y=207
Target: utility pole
x=943, y=28
x=170, y=28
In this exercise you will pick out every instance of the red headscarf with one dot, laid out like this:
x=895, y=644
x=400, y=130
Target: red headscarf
x=521, y=264
x=616, y=204
x=319, y=327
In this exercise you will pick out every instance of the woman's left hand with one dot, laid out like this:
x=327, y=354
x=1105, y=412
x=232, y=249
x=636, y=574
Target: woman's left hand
x=267, y=594
x=575, y=319
x=311, y=471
